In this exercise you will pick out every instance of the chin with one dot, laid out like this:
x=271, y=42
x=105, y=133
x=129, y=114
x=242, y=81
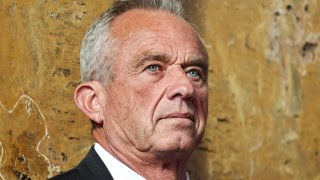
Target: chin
x=176, y=146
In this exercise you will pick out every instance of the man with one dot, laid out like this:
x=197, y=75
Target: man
x=144, y=73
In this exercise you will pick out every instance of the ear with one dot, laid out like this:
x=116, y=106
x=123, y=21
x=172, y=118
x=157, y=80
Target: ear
x=90, y=98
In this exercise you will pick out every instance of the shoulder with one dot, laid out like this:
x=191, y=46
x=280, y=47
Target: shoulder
x=91, y=167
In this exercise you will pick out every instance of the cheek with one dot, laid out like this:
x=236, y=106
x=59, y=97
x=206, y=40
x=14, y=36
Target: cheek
x=119, y=103
x=146, y=93
x=203, y=98
x=134, y=99
x=145, y=101
x=148, y=97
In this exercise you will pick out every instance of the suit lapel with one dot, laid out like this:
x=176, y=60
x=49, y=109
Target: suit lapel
x=92, y=167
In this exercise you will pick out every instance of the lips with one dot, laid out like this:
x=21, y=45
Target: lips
x=178, y=115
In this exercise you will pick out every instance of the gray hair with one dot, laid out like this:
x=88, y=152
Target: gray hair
x=99, y=46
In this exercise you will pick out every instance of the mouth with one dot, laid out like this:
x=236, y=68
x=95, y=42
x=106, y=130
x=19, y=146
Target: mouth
x=178, y=115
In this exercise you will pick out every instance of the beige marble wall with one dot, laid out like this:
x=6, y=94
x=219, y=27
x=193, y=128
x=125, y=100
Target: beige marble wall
x=264, y=88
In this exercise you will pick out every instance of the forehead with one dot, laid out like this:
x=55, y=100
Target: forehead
x=140, y=30
x=136, y=21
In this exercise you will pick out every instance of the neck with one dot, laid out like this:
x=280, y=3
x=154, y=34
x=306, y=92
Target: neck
x=171, y=165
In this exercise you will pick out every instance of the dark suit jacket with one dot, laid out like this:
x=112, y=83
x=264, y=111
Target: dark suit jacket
x=90, y=168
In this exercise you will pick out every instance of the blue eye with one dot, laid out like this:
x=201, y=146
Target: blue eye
x=153, y=68
x=193, y=74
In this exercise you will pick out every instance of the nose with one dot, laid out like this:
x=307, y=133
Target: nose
x=179, y=85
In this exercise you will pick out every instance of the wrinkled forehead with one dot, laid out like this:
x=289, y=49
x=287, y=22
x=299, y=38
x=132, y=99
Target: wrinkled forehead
x=137, y=23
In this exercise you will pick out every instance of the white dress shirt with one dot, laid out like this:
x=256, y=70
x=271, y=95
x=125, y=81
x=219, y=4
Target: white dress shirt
x=117, y=169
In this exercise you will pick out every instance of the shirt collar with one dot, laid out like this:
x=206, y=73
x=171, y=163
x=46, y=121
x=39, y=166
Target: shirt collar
x=117, y=169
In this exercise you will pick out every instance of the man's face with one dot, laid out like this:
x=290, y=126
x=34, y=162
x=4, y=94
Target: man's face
x=157, y=100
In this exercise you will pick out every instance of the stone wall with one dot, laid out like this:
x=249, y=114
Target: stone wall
x=264, y=88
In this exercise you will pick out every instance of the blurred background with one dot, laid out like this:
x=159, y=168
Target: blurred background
x=264, y=104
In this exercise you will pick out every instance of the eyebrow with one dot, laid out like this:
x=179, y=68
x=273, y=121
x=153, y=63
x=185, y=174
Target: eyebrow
x=148, y=56
x=151, y=56
x=198, y=61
